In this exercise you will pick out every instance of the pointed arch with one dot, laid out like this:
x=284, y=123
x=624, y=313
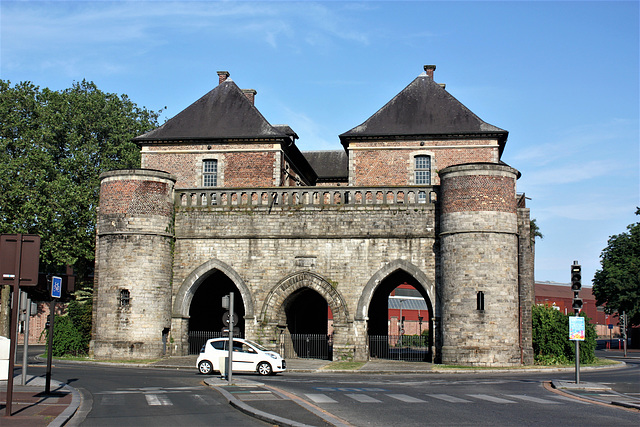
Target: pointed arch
x=273, y=308
x=383, y=273
x=190, y=285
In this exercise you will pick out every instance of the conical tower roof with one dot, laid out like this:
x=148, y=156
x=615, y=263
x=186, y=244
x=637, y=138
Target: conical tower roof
x=424, y=109
x=223, y=113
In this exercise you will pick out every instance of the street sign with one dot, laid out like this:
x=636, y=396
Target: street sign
x=226, y=318
x=576, y=328
x=56, y=287
x=610, y=326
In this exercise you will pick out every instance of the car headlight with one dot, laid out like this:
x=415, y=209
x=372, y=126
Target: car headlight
x=274, y=356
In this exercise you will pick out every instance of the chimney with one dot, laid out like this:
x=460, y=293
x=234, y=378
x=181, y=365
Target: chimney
x=429, y=69
x=250, y=94
x=222, y=76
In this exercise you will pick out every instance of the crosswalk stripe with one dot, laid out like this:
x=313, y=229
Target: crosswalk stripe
x=204, y=400
x=363, y=398
x=157, y=400
x=320, y=398
x=532, y=399
x=569, y=399
x=406, y=398
x=447, y=398
x=490, y=398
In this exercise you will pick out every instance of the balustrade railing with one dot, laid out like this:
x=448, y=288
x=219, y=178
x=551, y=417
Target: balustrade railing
x=303, y=196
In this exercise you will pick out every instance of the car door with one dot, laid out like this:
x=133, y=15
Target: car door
x=244, y=357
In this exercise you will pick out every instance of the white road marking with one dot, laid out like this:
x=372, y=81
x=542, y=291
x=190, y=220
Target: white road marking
x=490, y=398
x=448, y=398
x=320, y=398
x=112, y=399
x=406, y=398
x=363, y=398
x=532, y=399
x=204, y=400
x=157, y=400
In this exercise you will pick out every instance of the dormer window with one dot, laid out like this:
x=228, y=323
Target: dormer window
x=422, y=170
x=210, y=173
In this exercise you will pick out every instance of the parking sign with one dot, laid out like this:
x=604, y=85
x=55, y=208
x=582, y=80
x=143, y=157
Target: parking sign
x=56, y=287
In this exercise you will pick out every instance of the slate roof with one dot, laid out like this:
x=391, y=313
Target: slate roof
x=223, y=113
x=424, y=109
x=329, y=165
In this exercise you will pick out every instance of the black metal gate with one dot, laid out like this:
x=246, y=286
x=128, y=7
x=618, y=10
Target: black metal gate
x=198, y=338
x=306, y=346
x=410, y=348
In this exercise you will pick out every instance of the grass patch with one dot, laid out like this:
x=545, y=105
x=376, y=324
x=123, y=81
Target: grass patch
x=89, y=359
x=345, y=365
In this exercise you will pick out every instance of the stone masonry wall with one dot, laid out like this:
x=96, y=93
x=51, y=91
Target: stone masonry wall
x=345, y=246
x=479, y=253
x=133, y=259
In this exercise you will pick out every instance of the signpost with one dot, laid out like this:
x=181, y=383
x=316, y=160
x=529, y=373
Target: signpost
x=56, y=292
x=19, y=264
x=229, y=319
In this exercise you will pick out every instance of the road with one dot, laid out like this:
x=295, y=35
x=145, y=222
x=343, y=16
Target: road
x=158, y=397
x=130, y=396
x=457, y=399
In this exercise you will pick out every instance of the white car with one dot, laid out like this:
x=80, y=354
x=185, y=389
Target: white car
x=248, y=356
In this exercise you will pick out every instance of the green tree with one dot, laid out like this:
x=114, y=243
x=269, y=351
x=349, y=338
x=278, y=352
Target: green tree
x=617, y=283
x=53, y=147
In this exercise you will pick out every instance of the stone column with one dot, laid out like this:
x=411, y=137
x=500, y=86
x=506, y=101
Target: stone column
x=479, y=253
x=132, y=299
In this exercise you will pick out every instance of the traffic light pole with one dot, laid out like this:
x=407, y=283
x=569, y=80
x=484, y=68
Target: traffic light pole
x=576, y=285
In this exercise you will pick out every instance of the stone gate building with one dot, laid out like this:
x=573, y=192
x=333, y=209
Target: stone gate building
x=226, y=202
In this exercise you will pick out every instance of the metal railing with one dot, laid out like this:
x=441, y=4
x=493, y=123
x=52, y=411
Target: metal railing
x=199, y=338
x=410, y=348
x=303, y=196
x=306, y=346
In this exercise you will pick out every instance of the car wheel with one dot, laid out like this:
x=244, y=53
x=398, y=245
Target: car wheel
x=205, y=367
x=264, y=368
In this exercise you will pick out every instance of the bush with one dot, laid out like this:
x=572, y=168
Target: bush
x=551, y=344
x=67, y=340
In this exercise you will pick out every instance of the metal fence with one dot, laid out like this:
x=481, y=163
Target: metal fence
x=306, y=346
x=198, y=338
x=410, y=348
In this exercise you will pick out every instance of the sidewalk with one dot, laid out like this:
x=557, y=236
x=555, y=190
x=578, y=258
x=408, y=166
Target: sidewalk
x=32, y=407
x=247, y=393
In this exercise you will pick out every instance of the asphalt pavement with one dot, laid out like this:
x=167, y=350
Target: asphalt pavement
x=32, y=407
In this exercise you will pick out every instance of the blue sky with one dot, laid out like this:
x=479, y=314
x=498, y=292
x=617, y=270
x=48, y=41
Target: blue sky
x=561, y=77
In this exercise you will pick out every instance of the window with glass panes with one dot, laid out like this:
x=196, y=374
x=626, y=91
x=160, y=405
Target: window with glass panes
x=423, y=170
x=209, y=173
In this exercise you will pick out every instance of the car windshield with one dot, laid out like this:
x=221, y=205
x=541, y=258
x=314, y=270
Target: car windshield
x=256, y=345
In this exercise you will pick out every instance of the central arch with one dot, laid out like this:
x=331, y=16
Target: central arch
x=273, y=310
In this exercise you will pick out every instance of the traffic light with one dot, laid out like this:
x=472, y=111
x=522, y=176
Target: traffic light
x=576, y=277
x=576, y=285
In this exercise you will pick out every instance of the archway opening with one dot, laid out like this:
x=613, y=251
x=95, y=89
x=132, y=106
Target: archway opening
x=307, y=314
x=400, y=322
x=206, y=312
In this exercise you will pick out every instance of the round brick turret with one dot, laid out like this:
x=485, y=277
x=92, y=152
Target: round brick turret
x=479, y=261
x=132, y=288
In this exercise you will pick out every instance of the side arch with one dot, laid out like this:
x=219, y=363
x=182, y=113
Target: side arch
x=190, y=285
x=384, y=272
x=273, y=308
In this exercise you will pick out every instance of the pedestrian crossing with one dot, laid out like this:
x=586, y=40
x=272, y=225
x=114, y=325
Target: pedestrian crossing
x=505, y=399
x=156, y=396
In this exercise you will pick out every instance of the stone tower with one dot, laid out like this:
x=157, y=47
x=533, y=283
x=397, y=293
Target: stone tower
x=479, y=256
x=132, y=300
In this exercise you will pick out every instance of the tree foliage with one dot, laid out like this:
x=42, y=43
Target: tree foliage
x=53, y=147
x=551, y=344
x=617, y=283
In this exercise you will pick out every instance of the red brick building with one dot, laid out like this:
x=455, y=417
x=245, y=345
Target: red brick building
x=560, y=297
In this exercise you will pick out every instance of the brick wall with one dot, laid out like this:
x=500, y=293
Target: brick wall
x=391, y=162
